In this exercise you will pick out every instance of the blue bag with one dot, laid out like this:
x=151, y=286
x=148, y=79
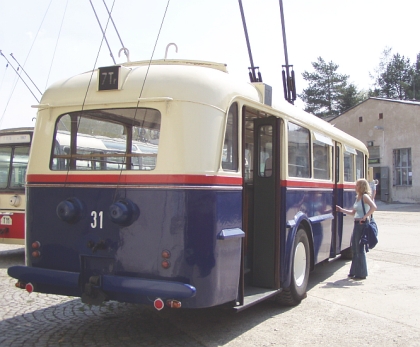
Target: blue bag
x=370, y=233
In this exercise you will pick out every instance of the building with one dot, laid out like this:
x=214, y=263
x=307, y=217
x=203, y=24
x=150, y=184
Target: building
x=389, y=128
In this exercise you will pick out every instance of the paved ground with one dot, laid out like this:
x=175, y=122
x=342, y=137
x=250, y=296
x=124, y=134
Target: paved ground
x=381, y=311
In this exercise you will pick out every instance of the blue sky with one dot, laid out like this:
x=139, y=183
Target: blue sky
x=55, y=39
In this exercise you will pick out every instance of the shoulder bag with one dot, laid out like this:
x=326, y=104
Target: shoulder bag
x=370, y=233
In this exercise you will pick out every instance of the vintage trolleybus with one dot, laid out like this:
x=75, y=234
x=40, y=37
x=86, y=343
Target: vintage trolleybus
x=14, y=154
x=171, y=183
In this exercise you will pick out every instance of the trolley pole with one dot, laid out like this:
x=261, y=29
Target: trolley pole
x=252, y=75
x=288, y=78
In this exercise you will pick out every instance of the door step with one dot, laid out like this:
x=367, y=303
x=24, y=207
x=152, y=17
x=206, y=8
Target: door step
x=254, y=295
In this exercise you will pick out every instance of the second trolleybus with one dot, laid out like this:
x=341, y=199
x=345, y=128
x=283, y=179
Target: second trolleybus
x=172, y=183
x=15, y=146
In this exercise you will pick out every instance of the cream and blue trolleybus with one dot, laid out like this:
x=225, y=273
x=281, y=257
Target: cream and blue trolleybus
x=172, y=183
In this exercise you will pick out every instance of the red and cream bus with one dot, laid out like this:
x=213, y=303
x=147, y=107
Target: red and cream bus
x=14, y=155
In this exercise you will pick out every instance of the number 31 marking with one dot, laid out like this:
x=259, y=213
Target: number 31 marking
x=95, y=216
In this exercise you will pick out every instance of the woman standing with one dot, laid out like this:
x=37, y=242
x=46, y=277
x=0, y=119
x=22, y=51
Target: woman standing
x=358, y=269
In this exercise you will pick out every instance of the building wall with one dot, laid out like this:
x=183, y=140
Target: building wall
x=396, y=130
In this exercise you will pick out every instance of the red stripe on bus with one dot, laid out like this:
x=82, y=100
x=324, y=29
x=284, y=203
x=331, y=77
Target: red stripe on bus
x=134, y=179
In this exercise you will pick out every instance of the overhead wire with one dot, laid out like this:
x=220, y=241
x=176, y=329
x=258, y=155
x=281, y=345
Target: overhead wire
x=4, y=75
x=56, y=44
x=91, y=76
x=115, y=27
x=30, y=49
x=144, y=82
x=103, y=32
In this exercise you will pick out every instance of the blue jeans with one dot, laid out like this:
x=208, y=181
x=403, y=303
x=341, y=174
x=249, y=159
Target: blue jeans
x=358, y=264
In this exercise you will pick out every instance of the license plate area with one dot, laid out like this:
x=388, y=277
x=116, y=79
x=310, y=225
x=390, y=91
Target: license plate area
x=96, y=266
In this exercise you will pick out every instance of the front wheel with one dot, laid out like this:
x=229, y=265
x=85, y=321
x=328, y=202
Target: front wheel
x=300, y=271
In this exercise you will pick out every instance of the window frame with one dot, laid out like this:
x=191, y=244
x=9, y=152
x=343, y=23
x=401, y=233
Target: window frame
x=408, y=169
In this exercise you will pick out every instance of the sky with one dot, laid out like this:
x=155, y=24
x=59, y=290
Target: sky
x=55, y=39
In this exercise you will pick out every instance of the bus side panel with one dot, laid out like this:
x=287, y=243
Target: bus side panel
x=316, y=205
x=184, y=222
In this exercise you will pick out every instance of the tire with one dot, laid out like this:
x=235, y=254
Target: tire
x=293, y=295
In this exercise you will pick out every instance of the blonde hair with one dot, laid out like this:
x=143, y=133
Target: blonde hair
x=364, y=187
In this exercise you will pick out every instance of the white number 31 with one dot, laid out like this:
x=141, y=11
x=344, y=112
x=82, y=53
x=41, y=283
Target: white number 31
x=95, y=216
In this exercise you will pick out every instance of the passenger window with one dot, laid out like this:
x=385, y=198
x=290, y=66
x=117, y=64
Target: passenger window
x=360, y=165
x=321, y=149
x=298, y=151
x=265, y=134
x=321, y=160
x=230, y=147
x=349, y=171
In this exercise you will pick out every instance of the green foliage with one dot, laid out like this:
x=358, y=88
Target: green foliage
x=396, y=78
x=328, y=93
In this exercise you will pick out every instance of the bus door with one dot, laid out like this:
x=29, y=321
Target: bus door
x=337, y=225
x=266, y=224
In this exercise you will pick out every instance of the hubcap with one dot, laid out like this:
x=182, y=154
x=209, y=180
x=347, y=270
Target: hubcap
x=299, y=264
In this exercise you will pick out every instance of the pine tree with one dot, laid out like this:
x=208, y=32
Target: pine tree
x=328, y=93
x=395, y=77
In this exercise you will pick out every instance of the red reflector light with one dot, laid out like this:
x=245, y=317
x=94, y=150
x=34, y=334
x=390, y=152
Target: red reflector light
x=20, y=285
x=166, y=254
x=166, y=264
x=36, y=245
x=158, y=304
x=29, y=288
x=36, y=254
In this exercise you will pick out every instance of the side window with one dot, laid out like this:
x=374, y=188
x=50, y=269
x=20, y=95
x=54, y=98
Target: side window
x=230, y=146
x=360, y=167
x=321, y=149
x=349, y=155
x=298, y=151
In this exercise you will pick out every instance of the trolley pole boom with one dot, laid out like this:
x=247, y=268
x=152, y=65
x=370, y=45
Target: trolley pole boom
x=103, y=32
x=252, y=75
x=288, y=81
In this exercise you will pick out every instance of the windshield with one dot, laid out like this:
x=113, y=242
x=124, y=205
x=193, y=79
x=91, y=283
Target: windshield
x=13, y=164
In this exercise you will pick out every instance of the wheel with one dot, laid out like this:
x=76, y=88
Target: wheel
x=299, y=273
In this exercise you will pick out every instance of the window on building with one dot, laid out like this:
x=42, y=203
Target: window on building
x=298, y=151
x=381, y=116
x=360, y=119
x=403, y=175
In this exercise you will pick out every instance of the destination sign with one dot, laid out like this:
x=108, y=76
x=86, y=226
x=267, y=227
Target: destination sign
x=108, y=78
